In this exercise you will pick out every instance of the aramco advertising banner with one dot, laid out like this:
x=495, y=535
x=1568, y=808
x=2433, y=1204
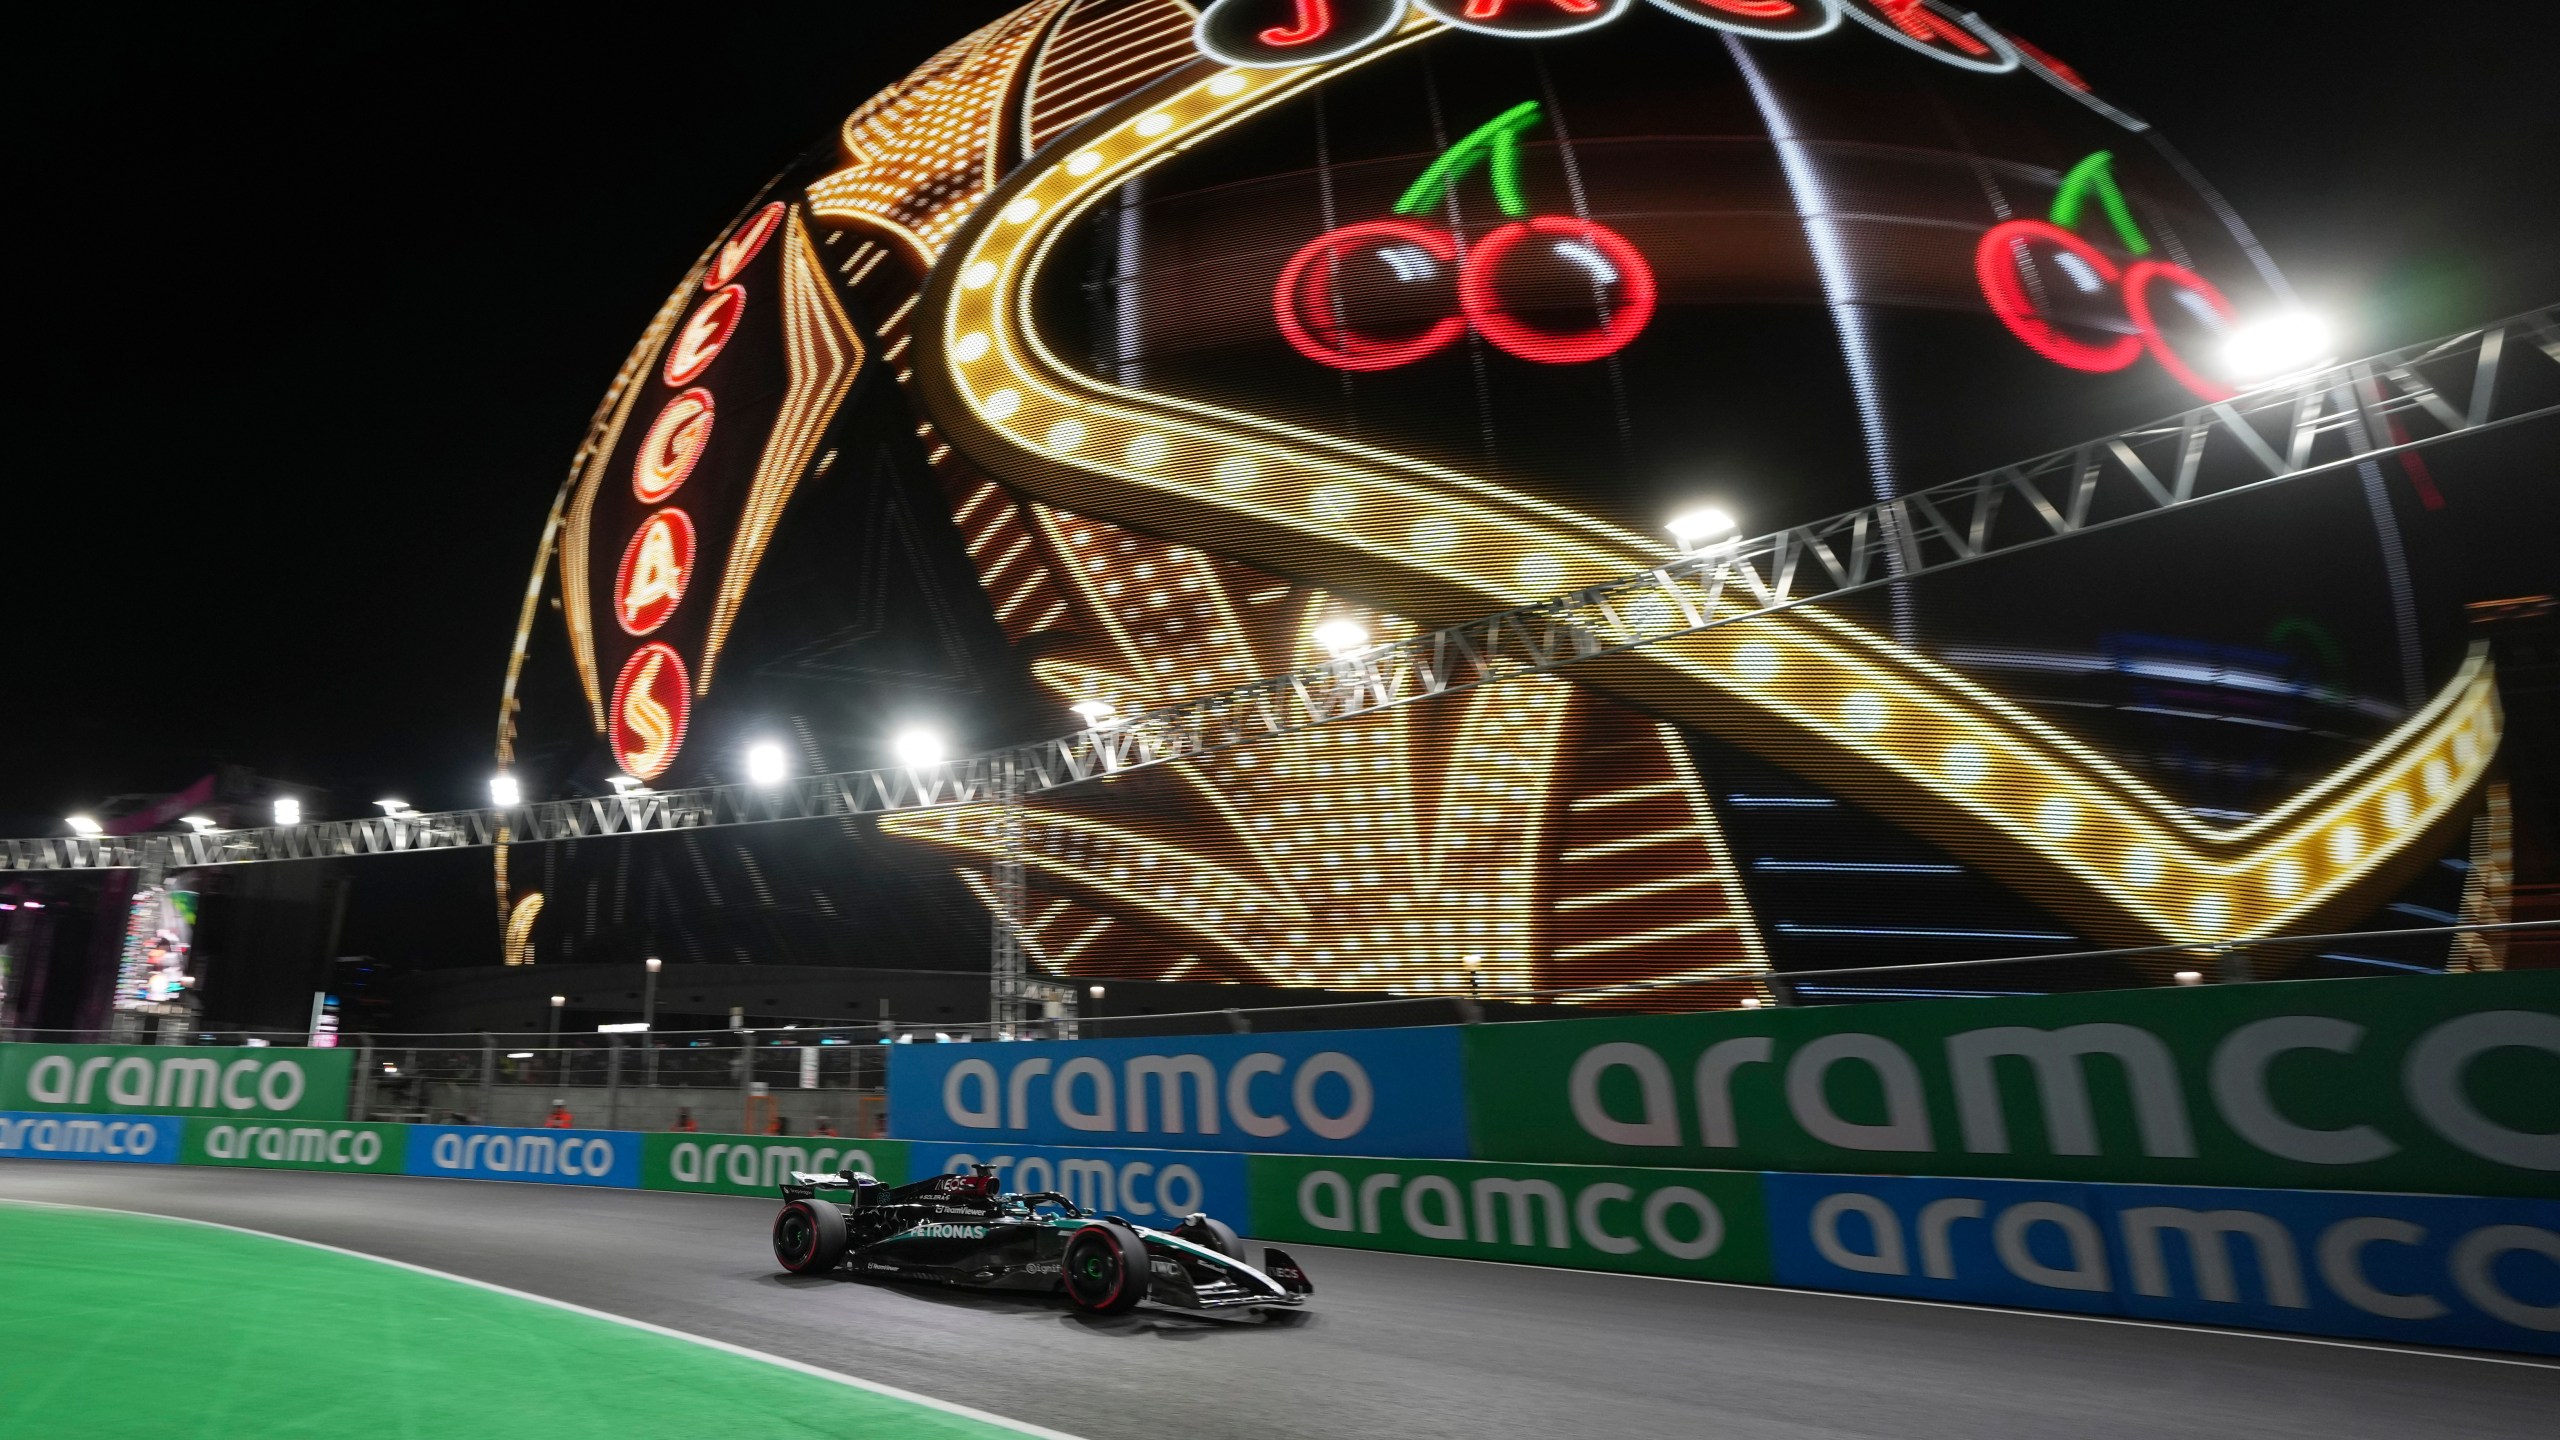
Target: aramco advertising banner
x=1152, y=1187
x=607, y=1158
x=2433, y=1269
x=1342, y=1092
x=131, y=1140
x=363, y=1149
x=260, y=1083
x=1705, y=1225
x=758, y=1164
x=2446, y=1085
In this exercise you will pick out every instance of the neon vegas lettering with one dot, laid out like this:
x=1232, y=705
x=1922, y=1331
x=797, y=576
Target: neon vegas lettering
x=1260, y=33
x=651, y=697
x=651, y=706
x=1310, y=302
x=656, y=567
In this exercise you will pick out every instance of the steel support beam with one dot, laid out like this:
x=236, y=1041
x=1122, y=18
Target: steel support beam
x=2317, y=424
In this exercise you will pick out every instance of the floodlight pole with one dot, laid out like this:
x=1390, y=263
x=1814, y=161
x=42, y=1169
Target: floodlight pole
x=1005, y=973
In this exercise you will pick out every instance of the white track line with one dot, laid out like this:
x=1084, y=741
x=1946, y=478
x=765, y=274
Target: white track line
x=1969, y=1306
x=767, y=1357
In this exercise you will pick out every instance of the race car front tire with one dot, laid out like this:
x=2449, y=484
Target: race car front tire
x=1214, y=1234
x=1105, y=1270
x=809, y=1237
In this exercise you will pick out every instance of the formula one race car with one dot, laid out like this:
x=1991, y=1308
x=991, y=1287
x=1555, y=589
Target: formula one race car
x=960, y=1230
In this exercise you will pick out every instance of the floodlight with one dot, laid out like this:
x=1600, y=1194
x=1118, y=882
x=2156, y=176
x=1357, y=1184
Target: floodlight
x=393, y=808
x=654, y=962
x=2190, y=977
x=504, y=792
x=1096, y=992
x=918, y=748
x=1750, y=1002
x=1342, y=638
x=2279, y=345
x=83, y=825
x=197, y=823
x=1095, y=711
x=288, y=811
x=627, y=784
x=766, y=764
x=1695, y=530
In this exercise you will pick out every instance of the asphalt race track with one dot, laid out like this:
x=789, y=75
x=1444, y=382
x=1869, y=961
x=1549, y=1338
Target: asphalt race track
x=1401, y=1346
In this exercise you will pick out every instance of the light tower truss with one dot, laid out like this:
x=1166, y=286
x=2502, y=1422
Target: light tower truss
x=2325, y=421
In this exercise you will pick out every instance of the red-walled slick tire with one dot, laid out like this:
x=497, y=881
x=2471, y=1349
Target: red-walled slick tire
x=809, y=1237
x=1105, y=1269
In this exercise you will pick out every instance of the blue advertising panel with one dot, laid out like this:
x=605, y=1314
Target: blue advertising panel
x=128, y=1139
x=1152, y=1187
x=1344, y=1092
x=2428, y=1269
x=609, y=1158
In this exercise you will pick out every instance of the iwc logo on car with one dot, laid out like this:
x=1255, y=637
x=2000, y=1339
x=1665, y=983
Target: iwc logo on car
x=946, y=1232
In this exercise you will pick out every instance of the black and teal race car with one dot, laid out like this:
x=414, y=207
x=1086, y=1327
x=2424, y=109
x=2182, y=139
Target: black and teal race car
x=963, y=1230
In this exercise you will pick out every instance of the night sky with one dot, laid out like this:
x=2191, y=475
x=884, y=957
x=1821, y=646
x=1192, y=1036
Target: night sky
x=323, y=298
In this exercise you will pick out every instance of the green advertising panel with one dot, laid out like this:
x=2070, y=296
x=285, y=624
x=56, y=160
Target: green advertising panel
x=758, y=1164
x=1704, y=1224
x=243, y=1083
x=2444, y=1085
x=366, y=1149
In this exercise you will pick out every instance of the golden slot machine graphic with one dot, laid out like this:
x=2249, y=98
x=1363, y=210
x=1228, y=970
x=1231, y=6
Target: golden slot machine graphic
x=1132, y=350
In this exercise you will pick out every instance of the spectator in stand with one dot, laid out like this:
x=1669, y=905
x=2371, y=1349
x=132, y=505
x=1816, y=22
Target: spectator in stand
x=685, y=1121
x=559, y=1118
x=780, y=1124
x=825, y=1127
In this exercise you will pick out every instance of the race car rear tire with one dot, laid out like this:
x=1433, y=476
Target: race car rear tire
x=809, y=1237
x=1105, y=1270
x=1215, y=1234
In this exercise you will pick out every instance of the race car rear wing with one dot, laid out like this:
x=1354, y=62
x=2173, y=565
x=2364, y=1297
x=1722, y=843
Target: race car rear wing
x=804, y=1185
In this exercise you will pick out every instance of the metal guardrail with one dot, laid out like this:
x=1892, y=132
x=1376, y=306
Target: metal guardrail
x=2400, y=401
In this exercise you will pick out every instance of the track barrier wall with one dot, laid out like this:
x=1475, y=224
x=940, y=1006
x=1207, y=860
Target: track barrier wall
x=608, y=1158
x=2424, y=1269
x=2367, y=1100
x=1152, y=1187
x=758, y=1164
x=267, y=1082
x=361, y=1149
x=128, y=1139
x=2445, y=1085
x=1341, y=1092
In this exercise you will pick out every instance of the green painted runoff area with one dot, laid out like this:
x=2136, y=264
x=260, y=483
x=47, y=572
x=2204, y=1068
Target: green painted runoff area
x=116, y=1325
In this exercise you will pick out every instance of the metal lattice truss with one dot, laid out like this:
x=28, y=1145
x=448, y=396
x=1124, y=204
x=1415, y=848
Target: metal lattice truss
x=2327, y=421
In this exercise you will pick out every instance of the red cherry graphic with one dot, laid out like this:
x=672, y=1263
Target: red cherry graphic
x=2069, y=263
x=1391, y=269
x=1552, y=266
x=1396, y=265
x=2139, y=280
x=2080, y=287
x=1587, y=262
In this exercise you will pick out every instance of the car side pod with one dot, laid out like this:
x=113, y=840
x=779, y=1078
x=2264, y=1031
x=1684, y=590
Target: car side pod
x=1277, y=1264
